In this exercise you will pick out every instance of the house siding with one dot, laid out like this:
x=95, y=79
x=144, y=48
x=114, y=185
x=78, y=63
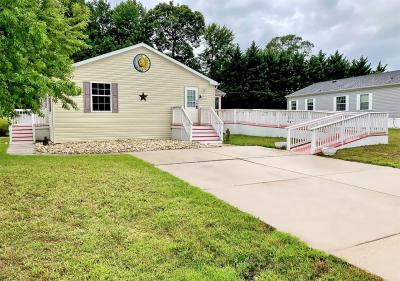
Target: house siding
x=164, y=83
x=385, y=99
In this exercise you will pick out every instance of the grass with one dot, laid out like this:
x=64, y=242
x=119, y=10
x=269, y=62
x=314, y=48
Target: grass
x=385, y=155
x=253, y=140
x=115, y=217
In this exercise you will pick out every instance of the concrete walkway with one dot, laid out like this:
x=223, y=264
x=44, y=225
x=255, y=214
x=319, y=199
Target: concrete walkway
x=348, y=209
x=24, y=148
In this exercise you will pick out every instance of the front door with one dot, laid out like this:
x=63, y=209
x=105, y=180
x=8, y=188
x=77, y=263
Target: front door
x=191, y=103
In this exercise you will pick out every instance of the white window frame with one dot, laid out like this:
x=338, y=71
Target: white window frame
x=370, y=98
x=306, y=104
x=335, y=105
x=196, y=96
x=297, y=105
x=91, y=98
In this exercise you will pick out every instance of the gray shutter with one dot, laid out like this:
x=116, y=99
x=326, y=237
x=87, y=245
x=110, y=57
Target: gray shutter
x=86, y=97
x=114, y=92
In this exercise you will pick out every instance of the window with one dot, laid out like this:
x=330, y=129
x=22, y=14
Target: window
x=341, y=103
x=293, y=105
x=364, y=102
x=310, y=104
x=190, y=97
x=101, y=97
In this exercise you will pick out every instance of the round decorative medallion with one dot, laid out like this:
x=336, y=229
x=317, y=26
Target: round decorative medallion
x=141, y=62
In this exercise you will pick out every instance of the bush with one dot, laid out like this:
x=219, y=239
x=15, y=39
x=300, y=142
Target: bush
x=3, y=127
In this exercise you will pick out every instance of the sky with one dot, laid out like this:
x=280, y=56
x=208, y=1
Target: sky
x=354, y=27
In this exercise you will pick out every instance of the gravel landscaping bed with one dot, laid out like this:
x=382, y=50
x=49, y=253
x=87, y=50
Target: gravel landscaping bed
x=113, y=146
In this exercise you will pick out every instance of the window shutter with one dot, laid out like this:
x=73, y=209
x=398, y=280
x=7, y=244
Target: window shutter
x=114, y=93
x=86, y=97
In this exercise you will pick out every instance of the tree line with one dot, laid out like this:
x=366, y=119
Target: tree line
x=258, y=77
x=40, y=39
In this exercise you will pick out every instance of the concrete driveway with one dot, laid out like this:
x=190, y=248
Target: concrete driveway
x=348, y=209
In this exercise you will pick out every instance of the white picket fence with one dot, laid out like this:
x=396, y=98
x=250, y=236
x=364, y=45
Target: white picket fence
x=267, y=117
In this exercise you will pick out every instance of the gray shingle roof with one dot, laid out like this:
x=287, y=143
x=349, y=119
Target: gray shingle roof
x=372, y=80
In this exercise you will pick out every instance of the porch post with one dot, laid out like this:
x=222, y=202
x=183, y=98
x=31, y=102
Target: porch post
x=219, y=103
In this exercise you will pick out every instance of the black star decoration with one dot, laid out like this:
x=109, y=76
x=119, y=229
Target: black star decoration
x=143, y=97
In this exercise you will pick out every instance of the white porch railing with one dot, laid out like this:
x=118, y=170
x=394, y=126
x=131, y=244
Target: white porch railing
x=25, y=117
x=300, y=134
x=209, y=116
x=349, y=129
x=180, y=117
x=267, y=117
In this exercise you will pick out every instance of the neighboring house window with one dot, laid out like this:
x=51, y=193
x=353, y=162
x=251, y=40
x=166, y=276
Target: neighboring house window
x=310, y=104
x=293, y=105
x=341, y=103
x=364, y=102
x=101, y=97
x=190, y=97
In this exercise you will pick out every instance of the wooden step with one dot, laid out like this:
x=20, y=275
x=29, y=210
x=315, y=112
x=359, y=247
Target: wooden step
x=206, y=138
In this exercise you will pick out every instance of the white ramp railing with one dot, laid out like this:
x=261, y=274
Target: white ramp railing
x=340, y=132
x=180, y=117
x=300, y=134
x=269, y=118
x=209, y=116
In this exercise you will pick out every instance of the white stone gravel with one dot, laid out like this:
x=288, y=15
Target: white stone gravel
x=113, y=146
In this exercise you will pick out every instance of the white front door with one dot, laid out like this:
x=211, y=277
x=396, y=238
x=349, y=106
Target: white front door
x=191, y=103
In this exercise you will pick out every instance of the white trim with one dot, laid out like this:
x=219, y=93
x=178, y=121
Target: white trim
x=143, y=45
x=306, y=104
x=370, y=98
x=91, y=98
x=370, y=101
x=297, y=105
x=196, y=96
x=335, y=104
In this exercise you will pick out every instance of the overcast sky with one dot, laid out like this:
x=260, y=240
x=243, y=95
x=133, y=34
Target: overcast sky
x=354, y=27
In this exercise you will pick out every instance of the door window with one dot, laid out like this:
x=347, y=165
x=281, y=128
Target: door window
x=191, y=98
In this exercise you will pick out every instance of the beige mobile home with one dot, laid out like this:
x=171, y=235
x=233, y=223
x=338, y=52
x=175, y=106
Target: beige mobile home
x=135, y=92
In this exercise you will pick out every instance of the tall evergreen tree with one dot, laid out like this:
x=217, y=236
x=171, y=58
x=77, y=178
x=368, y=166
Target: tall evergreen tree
x=360, y=67
x=380, y=68
x=337, y=66
x=316, y=68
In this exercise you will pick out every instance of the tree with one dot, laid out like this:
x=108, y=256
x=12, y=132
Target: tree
x=291, y=43
x=99, y=34
x=175, y=30
x=218, y=43
x=128, y=24
x=316, y=68
x=380, y=68
x=36, y=43
x=360, y=67
x=337, y=66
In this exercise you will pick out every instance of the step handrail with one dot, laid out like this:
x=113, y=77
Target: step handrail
x=217, y=123
x=187, y=126
x=348, y=118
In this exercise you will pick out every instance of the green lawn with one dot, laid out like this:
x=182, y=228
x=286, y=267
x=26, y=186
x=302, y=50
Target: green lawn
x=253, y=140
x=386, y=155
x=114, y=217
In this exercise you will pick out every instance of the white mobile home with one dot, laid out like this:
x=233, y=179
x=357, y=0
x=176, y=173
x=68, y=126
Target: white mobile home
x=369, y=93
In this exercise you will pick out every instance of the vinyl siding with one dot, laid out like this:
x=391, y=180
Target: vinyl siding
x=164, y=84
x=385, y=99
